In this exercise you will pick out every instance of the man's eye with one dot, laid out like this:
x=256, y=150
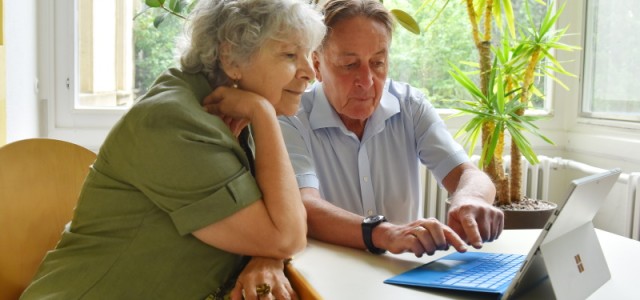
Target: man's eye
x=379, y=64
x=350, y=66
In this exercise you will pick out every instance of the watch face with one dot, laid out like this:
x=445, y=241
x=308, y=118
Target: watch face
x=374, y=219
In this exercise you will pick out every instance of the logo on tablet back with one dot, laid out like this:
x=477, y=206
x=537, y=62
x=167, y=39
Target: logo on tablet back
x=579, y=263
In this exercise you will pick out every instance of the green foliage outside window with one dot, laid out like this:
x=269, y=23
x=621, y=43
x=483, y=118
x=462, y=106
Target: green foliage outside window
x=155, y=35
x=424, y=60
x=421, y=60
x=154, y=48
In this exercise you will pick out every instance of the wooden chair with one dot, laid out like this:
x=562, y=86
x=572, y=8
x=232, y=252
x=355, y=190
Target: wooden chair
x=303, y=288
x=40, y=180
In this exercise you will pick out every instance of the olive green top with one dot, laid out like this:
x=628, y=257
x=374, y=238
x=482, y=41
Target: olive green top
x=167, y=168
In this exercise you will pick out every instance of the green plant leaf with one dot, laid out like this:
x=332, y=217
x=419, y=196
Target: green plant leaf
x=508, y=12
x=178, y=6
x=154, y=3
x=406, y=20
x=158, y=20
x=466, y=82
x=173, y=5
x=438, y=14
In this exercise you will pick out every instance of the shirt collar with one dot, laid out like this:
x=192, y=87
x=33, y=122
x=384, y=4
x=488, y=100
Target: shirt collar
x=323, y=115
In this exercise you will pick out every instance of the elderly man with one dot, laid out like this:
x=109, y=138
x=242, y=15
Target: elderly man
x=358, y=139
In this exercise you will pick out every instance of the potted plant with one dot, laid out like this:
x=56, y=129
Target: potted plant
x=508, y=73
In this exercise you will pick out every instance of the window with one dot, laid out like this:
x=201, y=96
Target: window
x=121, y=55
x=96, y=59
x=105, y=53
x=612, y=60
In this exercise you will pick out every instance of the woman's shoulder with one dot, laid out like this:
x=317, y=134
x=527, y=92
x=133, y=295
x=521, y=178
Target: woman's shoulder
x=173, y=104
x=177, y=83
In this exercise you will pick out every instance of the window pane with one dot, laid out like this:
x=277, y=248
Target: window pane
x=612, y=61
x=119, y=56
x=155, y=48
x=423, y=61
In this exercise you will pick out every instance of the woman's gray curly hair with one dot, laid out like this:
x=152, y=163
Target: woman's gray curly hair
x=245, y=25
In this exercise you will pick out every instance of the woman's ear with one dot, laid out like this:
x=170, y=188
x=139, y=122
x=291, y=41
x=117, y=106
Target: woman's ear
x=230, y=67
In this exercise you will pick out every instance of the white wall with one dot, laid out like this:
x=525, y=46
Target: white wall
x=21, y=65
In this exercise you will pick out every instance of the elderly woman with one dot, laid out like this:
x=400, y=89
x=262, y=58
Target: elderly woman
x=175, y=203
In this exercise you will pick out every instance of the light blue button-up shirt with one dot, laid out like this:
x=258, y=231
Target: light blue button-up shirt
x=380, y=173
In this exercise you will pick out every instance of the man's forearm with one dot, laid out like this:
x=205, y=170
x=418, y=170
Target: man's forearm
x=468, y=181
x=331, y=224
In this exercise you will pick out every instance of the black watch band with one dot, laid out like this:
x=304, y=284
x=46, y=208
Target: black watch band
x=368, y=224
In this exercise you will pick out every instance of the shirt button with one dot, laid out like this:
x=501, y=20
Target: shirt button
x=370, y=212
x=366, y=179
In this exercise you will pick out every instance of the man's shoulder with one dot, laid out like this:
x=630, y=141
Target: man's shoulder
x=403, y=90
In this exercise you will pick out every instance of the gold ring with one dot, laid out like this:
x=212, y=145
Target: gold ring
x=263, y=289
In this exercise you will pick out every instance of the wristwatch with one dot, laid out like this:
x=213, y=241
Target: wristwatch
x=368, y=224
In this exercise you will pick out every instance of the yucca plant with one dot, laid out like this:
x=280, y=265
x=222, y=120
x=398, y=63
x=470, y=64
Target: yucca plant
x=507, y=80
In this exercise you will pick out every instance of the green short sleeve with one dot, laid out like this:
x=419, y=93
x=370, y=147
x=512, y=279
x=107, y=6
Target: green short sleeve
x=184, y=160
x=238, y=193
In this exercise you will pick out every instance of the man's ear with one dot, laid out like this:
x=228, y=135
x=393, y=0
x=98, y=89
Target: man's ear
x=229, y=66
x=315, y=59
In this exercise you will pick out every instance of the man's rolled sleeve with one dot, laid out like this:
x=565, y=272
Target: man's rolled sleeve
x=445, y=166
x=308, y=180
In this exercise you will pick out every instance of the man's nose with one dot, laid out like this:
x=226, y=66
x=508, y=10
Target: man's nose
x=364, y=78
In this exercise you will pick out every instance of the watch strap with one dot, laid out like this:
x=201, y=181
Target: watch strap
x=367, y=236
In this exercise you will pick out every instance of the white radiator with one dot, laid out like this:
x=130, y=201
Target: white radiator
x=620, y=214
x=634, y=193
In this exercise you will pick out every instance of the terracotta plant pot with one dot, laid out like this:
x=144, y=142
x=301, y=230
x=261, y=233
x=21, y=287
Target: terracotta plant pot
x=528, y=219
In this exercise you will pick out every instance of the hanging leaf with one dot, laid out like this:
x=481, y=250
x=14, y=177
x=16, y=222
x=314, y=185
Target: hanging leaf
x=178, y=6
x=158, y=20
x=406, y=20
x=154, y=3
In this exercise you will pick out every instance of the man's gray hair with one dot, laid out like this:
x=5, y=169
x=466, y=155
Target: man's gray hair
x=245, y=25
x=335, y=11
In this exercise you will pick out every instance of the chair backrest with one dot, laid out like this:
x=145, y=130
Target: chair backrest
x=40, y=180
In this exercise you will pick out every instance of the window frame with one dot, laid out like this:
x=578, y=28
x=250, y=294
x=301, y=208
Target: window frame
x=586, y=99
x=58, y=80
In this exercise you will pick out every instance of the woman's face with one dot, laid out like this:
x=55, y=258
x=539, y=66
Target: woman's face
x=280, y=72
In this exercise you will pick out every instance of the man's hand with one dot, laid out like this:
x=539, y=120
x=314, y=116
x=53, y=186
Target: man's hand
x=419, y=237
x=475, y=221
x=471, y=213
x=263, y=270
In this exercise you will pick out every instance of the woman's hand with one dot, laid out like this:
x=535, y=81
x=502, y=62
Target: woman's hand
x=234, y=106
x=260, y=271
x=280, y=215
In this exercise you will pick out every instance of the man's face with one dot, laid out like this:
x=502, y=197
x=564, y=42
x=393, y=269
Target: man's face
x=353, y=67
